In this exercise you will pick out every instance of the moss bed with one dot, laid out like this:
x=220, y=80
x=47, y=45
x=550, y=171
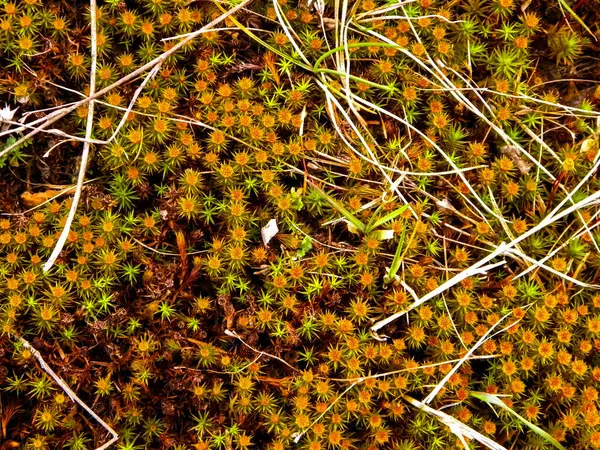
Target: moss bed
x=332, y=224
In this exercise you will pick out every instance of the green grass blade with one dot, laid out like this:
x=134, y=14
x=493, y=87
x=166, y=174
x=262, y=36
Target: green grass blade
x=357, y=79
x=387, y=218
x=492, y=399
x=564, y=4
x=397, y=259
x=343, y=211
x=325, y=55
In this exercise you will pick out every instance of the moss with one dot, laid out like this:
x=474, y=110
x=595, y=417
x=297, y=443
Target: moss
x=169, y=313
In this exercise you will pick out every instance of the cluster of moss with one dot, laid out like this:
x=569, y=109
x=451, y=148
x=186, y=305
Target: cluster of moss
x=182, y=328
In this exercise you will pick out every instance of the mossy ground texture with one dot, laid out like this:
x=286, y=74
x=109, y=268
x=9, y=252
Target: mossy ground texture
x=431, y=167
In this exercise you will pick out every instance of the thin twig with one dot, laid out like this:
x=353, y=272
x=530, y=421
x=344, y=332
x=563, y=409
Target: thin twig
x=487, y=336
x=69, y=392
x=136, y=94
x=53, y=131
x=481, y=266
x=298, y=436
x=260, y=352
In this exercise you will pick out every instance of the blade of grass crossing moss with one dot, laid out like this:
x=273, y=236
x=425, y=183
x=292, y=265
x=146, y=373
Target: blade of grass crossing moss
x=62, y=112
x=263, y=43
x=492, y=399
x=319, y=61
x=397, y=259
x=482, y=265
x=391, y=216
x=333, y=104
x=436, y=72
x=438, y=148
x=340, y=208
x=564, y=4
x=459, y=429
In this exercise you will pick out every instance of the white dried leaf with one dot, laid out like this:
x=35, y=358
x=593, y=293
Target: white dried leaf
x=444, y=204
x=269, y=231
x=7, y=114
x=302, y=118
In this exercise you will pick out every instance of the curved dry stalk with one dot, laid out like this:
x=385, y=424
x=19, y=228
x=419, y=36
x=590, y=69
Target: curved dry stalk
x=86, y=146
x=136, y=94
